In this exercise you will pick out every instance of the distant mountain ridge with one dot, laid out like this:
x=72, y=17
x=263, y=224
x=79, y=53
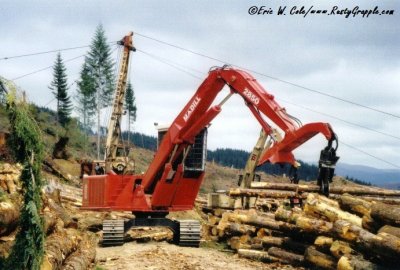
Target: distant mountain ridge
x=388, y=178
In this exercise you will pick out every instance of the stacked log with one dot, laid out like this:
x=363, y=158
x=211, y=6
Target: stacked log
x=58, y=246
x=258, y=235
x=9, y=216
x=353, y=190
x=66, y=247
x=348, y=230
x=65, y=193
x=82, y=258
x=9, y=178
x=10, y=202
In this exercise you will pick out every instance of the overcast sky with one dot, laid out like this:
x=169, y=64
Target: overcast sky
x=353, y=58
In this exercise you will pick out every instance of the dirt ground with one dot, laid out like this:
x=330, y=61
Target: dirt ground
x=165, y=256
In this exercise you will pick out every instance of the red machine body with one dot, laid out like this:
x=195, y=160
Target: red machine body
x=169, y=184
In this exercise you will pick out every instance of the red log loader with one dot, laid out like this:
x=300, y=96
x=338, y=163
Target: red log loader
x=173, y=178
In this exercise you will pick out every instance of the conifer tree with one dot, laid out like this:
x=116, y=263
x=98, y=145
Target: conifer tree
x=59, y=87
x=101, y=70
x=86, y=96
x=130, y=106
x=101, y=67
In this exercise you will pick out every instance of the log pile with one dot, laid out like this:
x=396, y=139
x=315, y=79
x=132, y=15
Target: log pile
x=349, y=230
x=66, y=246
x=65, y=193
x=10, y=199
x=9, y=178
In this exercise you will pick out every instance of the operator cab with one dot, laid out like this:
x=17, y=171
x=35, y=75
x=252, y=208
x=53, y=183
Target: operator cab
x=122, y=151
x=124, y=162
x=195, y=160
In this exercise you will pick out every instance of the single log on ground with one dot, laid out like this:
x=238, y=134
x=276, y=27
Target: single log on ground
x=146, y=234
x=58, y=246
x=62, y=214
x=286, y=257
x=283, y=242
x=340, y=248
x=386, y=213
x=319, y=259
x=82, y=258
x=383, y=244
x=354, y=190
x=277, y=194
x=323, y=243
x=314, y=205
x=355, y=205
x=9, y=215
x=390, y=230
x=304, y=223
x=349, y=262
x=257, y=255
